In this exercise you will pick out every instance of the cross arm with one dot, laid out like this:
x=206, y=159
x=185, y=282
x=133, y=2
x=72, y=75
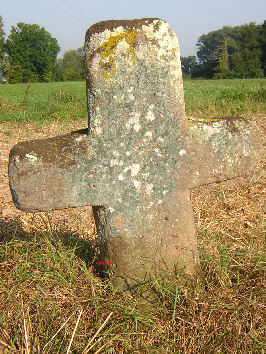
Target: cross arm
x=220, y=149
x=44, y=174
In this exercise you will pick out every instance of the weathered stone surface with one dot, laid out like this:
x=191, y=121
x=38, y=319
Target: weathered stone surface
x=141, y=157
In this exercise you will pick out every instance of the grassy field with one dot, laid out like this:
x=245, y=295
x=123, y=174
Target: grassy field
x=67, y=100
x=51, y=300
x=225, y=97
x=43, y=103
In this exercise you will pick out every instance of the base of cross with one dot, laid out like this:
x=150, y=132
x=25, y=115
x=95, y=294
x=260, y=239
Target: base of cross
x=158, y=241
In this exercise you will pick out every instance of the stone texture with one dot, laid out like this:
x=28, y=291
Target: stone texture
x=141, y=157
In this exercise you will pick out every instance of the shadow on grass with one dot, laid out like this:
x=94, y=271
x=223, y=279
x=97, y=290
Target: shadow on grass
x=12, y=231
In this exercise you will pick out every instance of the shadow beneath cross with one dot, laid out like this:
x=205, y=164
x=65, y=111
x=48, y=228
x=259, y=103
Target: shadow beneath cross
x=13, y=234
x=25, y=253
x=83, y=249
x=12, y=229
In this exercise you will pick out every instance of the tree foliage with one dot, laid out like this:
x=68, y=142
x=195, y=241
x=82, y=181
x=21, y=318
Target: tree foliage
x=2, y=49
x=232, y=52
x=72, y=66
x=34, y=50
x=188, y=64
x=2, y=38
x=263, y=45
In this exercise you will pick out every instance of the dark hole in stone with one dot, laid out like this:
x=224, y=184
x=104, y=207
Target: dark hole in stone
x=166, y=218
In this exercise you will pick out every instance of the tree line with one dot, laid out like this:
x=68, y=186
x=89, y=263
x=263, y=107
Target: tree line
x=29, y=54
x=229, y=52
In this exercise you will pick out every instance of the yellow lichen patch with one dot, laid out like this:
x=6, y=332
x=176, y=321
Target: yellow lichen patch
x=108, y=51
x=187, y=121
x=213, y=119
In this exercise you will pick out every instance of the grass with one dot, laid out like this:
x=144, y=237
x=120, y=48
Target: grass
x=51, y=300
x=66, y=101
x=43, y=103
x=210, y=98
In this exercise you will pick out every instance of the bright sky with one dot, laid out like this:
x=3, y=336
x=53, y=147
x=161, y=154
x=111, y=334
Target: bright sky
x=67, y=20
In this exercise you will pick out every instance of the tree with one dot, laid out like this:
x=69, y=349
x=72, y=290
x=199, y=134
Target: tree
x=72, y=66
x=15, y=73
x=209, y=48
x=2, y=48
x=222, y=68
x=2, y=38
x=246, y=60
x=231, y=52
x=34, y=50
x=188, y=64
x=263, y=45
x=215, y=49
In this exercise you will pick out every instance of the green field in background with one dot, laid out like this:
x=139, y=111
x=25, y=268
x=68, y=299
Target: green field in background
x=64, y=101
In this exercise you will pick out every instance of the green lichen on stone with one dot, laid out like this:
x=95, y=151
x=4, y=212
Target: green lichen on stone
x=108, y=50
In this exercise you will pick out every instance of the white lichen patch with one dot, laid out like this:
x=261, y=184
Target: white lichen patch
x=133, y=122
x=136, y=184
x=148, y=135
x=122, y=46
x=150, y=115
x=98, y=130
x=81, y=138
x=136, y=127
x=158, y=152
x=246, y=150
x=210, y=130
x=97, y=126
x=149, y=188
x=182, y=152
x=134, y=169
x=115, y=162
x=32, y=156
x=116, y=153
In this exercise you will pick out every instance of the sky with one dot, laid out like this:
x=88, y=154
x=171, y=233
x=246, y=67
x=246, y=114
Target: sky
x=68, y=20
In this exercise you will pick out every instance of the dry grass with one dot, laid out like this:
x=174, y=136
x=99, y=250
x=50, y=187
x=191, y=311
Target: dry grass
x=52, y=302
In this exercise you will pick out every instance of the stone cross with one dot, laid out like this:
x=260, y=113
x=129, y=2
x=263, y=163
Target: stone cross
x=140, y=156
